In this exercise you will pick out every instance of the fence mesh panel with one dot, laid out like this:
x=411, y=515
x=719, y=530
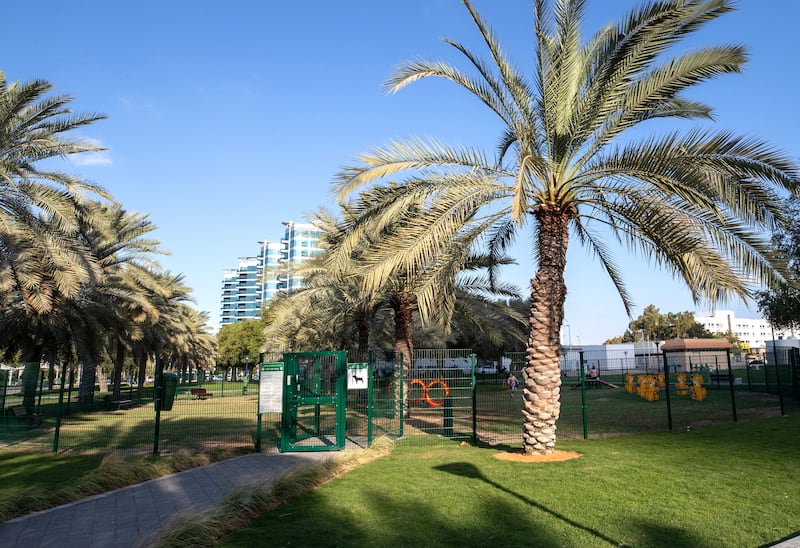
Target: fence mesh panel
x=438, y=398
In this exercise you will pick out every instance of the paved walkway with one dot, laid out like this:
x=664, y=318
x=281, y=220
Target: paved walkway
x=123, y=517
x=793, y=542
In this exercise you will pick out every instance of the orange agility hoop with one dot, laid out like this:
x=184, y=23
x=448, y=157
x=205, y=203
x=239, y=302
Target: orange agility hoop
x=431, y=401
x=424, y=388
x=426, y=395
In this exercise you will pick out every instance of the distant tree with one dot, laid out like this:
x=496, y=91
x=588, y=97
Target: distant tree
x=781, y=302
x=238, y=340
x=652, y=325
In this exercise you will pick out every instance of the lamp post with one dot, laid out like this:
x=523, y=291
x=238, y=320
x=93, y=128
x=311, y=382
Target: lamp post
x=657, y=344
x=646, y=352
x=569, y=333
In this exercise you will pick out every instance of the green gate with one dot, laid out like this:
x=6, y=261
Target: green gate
x=314, y=397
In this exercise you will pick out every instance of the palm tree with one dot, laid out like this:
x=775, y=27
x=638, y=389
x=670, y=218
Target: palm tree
x=330, y=308
x=42, y=207
x=169, y=295
x=697, y=203
x=107, y=313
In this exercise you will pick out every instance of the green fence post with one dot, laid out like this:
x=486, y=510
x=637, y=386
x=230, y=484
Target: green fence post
x=730, y=384
x=401, y=381
x=370, y=401
x=4, y=376
x=795, y=381
x=258, y=433
x=58, y=414
x=447, y=419
x=666, y=390
x=583, y=397
x=777, y=374
x=475, y=400
x=157, y=396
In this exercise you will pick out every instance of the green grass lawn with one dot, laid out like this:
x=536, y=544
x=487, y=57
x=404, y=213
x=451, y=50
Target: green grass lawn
x=21, y=471
x=731, y=485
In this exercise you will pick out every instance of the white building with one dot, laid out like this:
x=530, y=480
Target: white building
x=780, y=349
x=753, y=332
x=605, y=357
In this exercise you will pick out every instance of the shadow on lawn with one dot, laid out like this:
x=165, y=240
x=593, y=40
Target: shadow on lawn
x=408, y=521
x=651, y=533
x=468, y=470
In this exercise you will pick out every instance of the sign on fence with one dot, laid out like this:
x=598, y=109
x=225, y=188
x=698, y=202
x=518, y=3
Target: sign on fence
x=357, y=376
x=270, y=388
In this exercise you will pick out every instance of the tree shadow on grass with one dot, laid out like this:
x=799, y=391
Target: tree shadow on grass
x=315, y=519
x=469, y=470
x=312, y=520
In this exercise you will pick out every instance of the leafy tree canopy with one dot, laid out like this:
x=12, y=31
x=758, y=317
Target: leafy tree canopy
x=241, y=339
x=652, y=325
x=781, y=303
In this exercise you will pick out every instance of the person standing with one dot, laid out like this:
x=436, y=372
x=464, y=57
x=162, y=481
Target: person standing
x=512, y=384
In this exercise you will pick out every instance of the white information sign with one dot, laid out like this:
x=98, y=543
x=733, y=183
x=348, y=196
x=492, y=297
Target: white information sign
x=357, y=376
x=270, y=388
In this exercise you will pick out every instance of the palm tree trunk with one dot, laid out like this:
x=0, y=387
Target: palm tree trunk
x=362, y=320
x=402, y=304
x=117, y=377
x=88, y=377
x=30, y=376
x=542, y=374
x=403, y=307
x=141, y=360
x=52, y=356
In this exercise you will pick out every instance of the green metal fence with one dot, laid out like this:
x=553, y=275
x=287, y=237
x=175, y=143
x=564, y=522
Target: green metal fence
x=439, y=397
x=603, y=407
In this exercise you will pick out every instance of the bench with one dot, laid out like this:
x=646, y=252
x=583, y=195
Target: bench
x=719, y=377
x=116, y=405
x=200, y=393
x=20, y=413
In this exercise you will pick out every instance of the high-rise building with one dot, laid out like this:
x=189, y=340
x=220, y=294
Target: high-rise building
x=256, y=280
x=241, y=291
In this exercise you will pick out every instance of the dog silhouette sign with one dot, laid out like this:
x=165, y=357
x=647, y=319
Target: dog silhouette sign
x=357, y=376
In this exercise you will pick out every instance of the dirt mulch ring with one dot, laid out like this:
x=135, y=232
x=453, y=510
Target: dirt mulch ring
x=555, y=456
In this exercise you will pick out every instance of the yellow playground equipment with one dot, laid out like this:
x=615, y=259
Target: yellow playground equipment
x=630, y=387
x=697, y=390
x=648, y=387
x=681, y=388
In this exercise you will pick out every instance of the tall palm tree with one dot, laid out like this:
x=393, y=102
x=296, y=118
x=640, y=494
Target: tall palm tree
x=697, y=203
x=169, y=295
x=42, y=207
x=108, y=312
x=379, y=221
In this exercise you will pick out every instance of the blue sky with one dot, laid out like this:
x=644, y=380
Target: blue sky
x=227, y=118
